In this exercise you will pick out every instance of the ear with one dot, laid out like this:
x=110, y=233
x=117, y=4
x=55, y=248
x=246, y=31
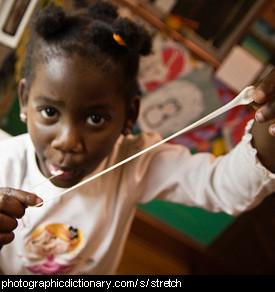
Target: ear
x=23, y=96
x=131, y=115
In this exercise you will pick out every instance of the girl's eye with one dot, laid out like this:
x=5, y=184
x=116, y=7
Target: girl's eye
x=95, y=120
x=48, y=112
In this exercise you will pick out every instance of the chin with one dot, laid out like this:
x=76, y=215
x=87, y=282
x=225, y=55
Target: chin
x=65, y=183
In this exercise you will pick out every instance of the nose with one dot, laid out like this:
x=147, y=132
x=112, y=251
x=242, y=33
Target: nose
x=68, y=140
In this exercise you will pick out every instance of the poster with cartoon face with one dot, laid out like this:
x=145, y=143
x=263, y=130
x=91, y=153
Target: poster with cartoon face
x=171, y=107
x=175, y=88
x=178, y=103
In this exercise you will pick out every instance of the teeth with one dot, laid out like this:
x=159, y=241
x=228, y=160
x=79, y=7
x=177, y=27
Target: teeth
x=57, y=172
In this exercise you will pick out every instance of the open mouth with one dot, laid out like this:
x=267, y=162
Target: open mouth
x=61, y=173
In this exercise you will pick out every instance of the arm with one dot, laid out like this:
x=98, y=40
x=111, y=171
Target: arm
x=263, y=130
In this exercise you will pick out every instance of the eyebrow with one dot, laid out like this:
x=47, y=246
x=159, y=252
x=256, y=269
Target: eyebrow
x=103, y=106
x=99, y=107
x=49, y=100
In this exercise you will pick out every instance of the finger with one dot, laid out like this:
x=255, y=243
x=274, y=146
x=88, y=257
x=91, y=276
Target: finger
x=271, y=130
x=266, y=112
x=266, y=88
x=259, y=95
x=13, y=202
x=6, y=238
x=7, y=224
x=11, y=206
x=26, y=198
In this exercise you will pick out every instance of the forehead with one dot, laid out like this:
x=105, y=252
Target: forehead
x=74, y=76
x=74, y=68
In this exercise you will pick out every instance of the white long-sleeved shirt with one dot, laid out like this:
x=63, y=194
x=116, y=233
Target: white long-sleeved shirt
x=84, y=231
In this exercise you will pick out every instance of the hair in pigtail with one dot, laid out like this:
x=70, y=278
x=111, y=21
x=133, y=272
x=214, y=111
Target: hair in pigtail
x=104, y=15
x=49, y=20
x=104, y=11
x=135, y=37
x=101, y=35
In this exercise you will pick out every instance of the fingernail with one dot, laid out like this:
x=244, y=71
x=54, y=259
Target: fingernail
x=259, y=117
x=39, y=202
x=272, y=130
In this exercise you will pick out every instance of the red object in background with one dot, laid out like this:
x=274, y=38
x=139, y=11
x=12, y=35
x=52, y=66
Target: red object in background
x=238, y=131
x=238, y=116
x=173, y=61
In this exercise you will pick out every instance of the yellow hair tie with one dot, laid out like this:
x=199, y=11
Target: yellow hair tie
x=118, y=39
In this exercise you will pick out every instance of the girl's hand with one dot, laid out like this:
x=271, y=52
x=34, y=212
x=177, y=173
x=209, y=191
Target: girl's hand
x=264, y=96
x=12, y=206
x=263, y=130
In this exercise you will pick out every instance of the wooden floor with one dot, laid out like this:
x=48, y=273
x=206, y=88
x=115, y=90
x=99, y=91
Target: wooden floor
x=141, y=259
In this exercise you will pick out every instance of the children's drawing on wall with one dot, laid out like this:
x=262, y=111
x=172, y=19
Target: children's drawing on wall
x=156, y=114
x=171, y=107
x=178, y=103
x=176, y=90
x=168, y=62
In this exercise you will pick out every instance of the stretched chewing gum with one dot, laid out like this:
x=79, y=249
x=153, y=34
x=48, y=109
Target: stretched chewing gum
x=57, y=172
x=244, y=98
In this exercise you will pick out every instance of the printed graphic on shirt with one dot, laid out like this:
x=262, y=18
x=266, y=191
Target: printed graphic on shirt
x=51, y=249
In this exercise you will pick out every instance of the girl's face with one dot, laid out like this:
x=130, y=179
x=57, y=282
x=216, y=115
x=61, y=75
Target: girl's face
x=74, y=117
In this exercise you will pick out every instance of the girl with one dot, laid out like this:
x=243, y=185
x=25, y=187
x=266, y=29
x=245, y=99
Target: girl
x=78, y=98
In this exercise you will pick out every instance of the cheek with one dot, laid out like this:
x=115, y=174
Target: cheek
x=41, y=136
x=100, y=145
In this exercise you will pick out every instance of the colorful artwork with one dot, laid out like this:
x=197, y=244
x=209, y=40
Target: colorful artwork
x=48, y=247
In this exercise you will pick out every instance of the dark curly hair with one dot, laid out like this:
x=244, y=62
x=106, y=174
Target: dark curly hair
x=89, y=34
